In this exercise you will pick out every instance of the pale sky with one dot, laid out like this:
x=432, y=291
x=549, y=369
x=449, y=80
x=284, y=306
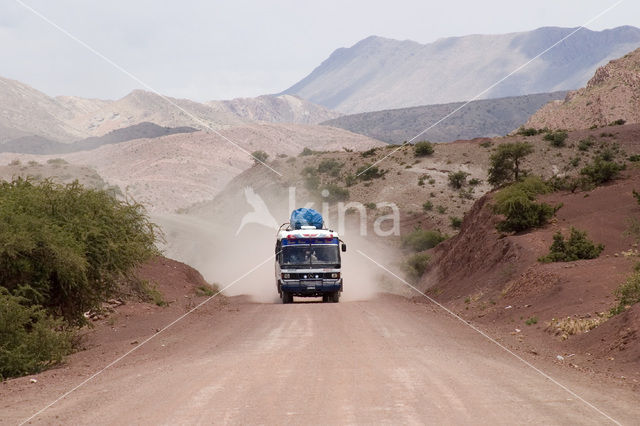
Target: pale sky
x=205, y=50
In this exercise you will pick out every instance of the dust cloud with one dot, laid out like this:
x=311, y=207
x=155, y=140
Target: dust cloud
x=244, y=264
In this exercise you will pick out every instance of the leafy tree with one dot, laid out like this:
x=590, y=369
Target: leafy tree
x=30, y=338
x=505, y=162
x=68, y=248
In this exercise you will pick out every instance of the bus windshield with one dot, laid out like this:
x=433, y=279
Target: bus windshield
x=311, y=255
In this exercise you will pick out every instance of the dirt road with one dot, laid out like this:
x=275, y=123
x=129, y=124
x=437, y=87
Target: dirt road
x=383, y=361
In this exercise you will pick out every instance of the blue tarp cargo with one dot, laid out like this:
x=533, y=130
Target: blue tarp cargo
x=306, y=217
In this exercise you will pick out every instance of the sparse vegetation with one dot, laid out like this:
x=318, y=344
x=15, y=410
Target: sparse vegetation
x=627, y=294
x=576, y=247
x=565, y=327
x=602, y=170
x=423, y=148
x=416, y=264
x=585, y=144
x=531, y=321
x=455, y=221
x=259, y=157
x=207, y=290
x=330, y=166
x=522, y=131
x=369, y=172
x=441, y=209
x=427, y=206
x=458, y=179
x=368, y=153
x=307, y=151
x=517, y=203
x=421, y=240
x=335, y=193
x=557, y=138
x=505, y=162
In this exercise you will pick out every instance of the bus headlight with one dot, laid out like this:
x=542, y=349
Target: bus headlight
x=286, y=276
x=335, y=275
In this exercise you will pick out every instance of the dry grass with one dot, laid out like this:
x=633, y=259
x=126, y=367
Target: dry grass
x=569, y=326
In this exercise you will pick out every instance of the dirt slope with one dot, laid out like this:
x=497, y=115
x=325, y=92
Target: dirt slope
x=497, y=281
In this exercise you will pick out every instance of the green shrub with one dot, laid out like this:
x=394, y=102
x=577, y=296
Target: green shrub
x=68, y=248
x=557, y=138
x=423, y=148
x=335, y=193
x=517, y=204
x=330, y=166
x=416, y=264
x=307, y=151
x=420, y=240
x=475, y=182
x=505, y=162
x=585, y=144
x=369, y=172
x=368, y=153
x=634, y=158
x=458, y=179
x=522, y=131
x=441, y=209
x=259, y=157
x=601, y=171
x=30, y=338
x=619, y=122
x=627, y=294
x=456, y=222
x=350, y=180
x=427, y=206
x=577, y=247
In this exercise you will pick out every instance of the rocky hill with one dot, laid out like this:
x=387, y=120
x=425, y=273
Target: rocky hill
x=378, y=73
x=612, y=94
x=171, y=172
x=40, y=145
x=276, y=109
x=483, y=118
x=28, y=113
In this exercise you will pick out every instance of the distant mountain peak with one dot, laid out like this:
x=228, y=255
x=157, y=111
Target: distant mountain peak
x=378, y=73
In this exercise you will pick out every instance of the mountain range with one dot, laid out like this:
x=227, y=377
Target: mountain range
x=379, y=73
x=484, y=118
x=27, y=112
